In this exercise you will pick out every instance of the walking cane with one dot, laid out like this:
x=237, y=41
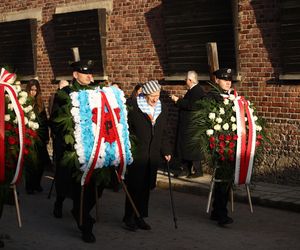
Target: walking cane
x=171, y=196
x=128, y=196
x=17, y=205
x=52, y=185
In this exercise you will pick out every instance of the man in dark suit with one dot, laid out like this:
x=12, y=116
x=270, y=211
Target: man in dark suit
x=190, y=157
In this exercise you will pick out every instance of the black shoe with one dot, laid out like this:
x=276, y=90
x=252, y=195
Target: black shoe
x=88, y=237
x=142, y=224
x=57, y=211
x=195, y=175
x=225, y=221
x=1, y=244
x=130, y=224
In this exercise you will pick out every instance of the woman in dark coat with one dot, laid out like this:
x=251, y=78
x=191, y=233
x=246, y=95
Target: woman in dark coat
x=35, y=166
x=147, y=118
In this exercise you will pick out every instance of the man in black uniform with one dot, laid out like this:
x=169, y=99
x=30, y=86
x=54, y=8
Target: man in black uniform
x=67, y=172
x=191, y=157
x=221, y=190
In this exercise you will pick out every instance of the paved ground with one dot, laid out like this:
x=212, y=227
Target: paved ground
x=263, y=194
x=266, y=228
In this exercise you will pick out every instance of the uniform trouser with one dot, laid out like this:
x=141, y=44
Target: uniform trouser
x=89, y=200
x=221, y=194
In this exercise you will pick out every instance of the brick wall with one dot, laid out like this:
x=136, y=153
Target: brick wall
x=136, y=52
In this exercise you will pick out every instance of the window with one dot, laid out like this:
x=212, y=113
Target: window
x=189, y=25
x=290, y=39
x=18, y=46
x=85, y=30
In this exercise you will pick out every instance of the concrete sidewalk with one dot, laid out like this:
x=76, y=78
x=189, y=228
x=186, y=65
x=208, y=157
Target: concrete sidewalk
x=262, y=194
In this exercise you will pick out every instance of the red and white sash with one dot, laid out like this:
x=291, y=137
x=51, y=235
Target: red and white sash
x=5, y=79
x=246, y=141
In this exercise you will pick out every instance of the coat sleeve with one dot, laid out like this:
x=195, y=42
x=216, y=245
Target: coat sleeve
x=187, y=103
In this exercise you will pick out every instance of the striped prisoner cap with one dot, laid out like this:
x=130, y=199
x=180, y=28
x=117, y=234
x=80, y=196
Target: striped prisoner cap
x=150, y=87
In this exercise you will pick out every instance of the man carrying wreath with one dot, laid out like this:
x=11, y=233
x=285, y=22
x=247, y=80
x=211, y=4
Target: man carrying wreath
x=67, y=165
x=221, y=192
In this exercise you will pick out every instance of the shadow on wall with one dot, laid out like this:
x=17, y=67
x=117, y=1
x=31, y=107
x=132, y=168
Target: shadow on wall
x=48, y=36
x=267, y=15
x=154, y=20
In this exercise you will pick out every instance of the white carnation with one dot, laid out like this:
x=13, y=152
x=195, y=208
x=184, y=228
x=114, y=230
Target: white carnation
x=233, y=127
x=219, y=120
x=212, y=116
x=232, y=118
x=18, y=83
x=7, y=117
x=226, y=101
x=25, y=120
x=32, y=116
x=226, y=126
x=234, y=109
x=222, y=111
x=23, y=94
x=22, y=100
x=258, y=128
x=255, y=118
x=36, y=126
x=209, y=132
x=217, y=127
x=10, y=106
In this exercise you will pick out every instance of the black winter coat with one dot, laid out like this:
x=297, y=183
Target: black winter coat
x=149, y=147
x=186, y=107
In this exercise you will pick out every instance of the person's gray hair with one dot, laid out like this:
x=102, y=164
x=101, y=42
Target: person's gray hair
x=193, y=76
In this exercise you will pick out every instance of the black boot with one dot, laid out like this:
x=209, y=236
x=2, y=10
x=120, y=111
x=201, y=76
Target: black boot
x=87, y=231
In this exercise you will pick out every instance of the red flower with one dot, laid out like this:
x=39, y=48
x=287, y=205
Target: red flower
x=11, y=140
x=222, y=144
x=221, y=151
x=259, y=137
x=231, y=145
x=231, y=158
x=221, y=137
x=230, y=151
x=235, y=137
x=228, y=137
x=257, y=143
x=8, y=126
x=222, y=158
x=212, y=145
x=212, y=139
x=27, y=141
x=26, y=151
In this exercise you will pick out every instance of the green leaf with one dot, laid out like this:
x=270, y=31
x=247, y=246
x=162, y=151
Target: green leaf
x=69, y=139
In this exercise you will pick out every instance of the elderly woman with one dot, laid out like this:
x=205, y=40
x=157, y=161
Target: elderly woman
x=147, y=118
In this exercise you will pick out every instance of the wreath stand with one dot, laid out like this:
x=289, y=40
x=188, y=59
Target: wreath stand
x=14, y=188
x=211, y=189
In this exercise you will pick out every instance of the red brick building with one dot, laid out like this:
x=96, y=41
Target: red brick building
x=133, y=41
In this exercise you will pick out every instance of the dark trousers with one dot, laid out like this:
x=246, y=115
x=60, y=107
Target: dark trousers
x=89, y=200
x=193, y=164
x=221, y=194
x=140, y=193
